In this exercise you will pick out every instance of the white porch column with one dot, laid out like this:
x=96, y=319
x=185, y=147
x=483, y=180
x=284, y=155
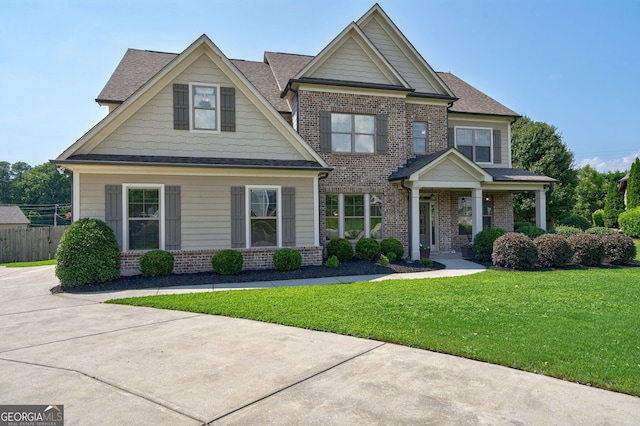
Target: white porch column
x=476, y=211
x=541, y=209
x=415, y=224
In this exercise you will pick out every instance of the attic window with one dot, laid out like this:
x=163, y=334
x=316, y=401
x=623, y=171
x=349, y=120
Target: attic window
x=204, y=107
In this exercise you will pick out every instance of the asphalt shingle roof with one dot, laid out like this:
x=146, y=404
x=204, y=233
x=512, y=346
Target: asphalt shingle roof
x=10, y=215
x=471, y=100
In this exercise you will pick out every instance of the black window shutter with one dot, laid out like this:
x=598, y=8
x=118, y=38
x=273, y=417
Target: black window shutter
x=497, y=147
x=238, y=225
x=228, y=109
x=289, y=217
x=325, y=131
x=172, y=223
x=181, y=106
x=451, y=138
x=113, y=210
x=382, y=134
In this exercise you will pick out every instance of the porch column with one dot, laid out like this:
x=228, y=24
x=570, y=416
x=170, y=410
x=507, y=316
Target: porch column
x=414, y=228
x=541, y=209
x=476, y=211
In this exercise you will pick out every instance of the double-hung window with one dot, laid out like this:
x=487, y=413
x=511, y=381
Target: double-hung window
x=475, y=143
x=204, y=102
x=264, y=216
x=353, y=216
x=420, y=131
x=353, y=133
x=144, y=214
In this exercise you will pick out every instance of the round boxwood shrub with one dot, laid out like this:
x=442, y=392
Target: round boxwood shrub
x=528, y=229
x=629, y=222
x=515, y=251
x=88, y=252
x=340, y=248
x=391, y=245
x=483, y=242
x=156, y=263
x=576, y=221
x=588, y=249
x=227, y=262
x=287, y=259
x=332, y=262
x=600, y=231
x=368, y=249
x=619, y=249
x=598, y=217
x=567, y=231
x=554, y=250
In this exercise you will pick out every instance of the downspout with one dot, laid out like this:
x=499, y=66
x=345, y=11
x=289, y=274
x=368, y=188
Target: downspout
x=409, y=221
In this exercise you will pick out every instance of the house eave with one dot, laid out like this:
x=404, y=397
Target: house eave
x=342, y=83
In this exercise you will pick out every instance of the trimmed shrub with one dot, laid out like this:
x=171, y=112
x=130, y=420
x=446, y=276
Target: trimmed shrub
x=287, y=259
x=630, y=222
x=618, y=249
x=384, y=260
x=598, y=217
x=332, y=262
x=227, y=262
x=88, y=252
x=427, y=263
x=392, y=256
x=368, y=249
x=515, y=250
x=553, y=250
x=600, y=231
x=528, y=229
x=156, y=263
x=566, y=231
x=483, y=242
x=576, y=221
x=341, y=248
x=588, y=250
x=391, y=245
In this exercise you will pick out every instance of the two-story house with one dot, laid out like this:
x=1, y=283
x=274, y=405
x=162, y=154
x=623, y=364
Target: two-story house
x=200, y=153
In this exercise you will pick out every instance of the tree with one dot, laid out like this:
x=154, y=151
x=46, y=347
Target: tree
x=590, y=192
x=5, y=182
x=633, y=186
x=17, y=170
x=42, y=185
x=613, y=205
x=538, y=148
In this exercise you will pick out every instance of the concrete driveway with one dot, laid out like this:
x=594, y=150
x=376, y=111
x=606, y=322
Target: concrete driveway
x=116, y=365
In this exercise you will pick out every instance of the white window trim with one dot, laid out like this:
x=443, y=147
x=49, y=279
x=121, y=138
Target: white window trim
x=353, y=134
x=125, y=211
x=426, y=138
x=191, y=108
x=367, y=213
x=247, y=203
x=490, y=129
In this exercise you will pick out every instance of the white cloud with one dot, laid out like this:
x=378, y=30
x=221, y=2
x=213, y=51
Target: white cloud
x=620, y=164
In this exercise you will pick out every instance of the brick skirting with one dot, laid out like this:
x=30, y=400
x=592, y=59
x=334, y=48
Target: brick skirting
x=188, y=261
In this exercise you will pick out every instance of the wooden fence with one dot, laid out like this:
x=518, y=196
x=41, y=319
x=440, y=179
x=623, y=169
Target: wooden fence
x=29, y=244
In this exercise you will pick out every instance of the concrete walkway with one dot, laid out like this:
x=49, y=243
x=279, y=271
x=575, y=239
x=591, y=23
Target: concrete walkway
x=117, y=365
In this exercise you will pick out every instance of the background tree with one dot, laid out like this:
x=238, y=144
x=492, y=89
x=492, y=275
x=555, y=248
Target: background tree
x=613, y=205
x=17, y=170
x=538, y=147
x=590, y=192
x=42, y=185
x=5, y=182
x=633, y=186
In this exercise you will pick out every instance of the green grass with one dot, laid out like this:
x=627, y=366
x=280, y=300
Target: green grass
x=27, y=264
x=580, y=325
x=637, y=249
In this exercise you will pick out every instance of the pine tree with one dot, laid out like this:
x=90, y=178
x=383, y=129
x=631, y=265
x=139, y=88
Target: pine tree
x=613, y=205
x=633, y=186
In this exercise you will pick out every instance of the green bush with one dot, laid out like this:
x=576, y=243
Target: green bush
x=427, y=263
x=384, y=260
x=287, y=259
x=630, y=222
x=600, y=231
x=553, y=250
x=391, y=245
x=227, y=262
x=156, y=263
x=332, y=262
x=576, y=221
x=88, y=252
x=483, y=242
x=391, y=256
x=368, y=249
x=528, y=229
x=341, y=248
x=588, y=249
x=598, y=217
x=618, y=249
x=566, y=231
x=515, y=251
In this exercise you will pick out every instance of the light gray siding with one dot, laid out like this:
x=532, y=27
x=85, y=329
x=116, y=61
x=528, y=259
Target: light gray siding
x=503, y=126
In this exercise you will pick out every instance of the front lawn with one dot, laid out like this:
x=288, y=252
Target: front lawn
x=579, y=325
x=29, y=264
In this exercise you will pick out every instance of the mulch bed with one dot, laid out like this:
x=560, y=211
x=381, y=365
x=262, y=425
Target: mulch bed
x=354, y=267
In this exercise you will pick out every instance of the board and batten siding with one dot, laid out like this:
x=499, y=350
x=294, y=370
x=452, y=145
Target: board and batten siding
x=150, y=130
x=504, y=136
x=205, y=204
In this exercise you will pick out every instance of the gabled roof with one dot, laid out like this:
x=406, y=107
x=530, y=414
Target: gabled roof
x=12, y=215
x=422, y=164
x=471, y=100
x=261, y=76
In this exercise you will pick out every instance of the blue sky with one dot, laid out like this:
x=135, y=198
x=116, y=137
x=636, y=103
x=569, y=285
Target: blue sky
x=573, y=64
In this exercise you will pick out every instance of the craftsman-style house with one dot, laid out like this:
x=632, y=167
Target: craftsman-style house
x=200, y=153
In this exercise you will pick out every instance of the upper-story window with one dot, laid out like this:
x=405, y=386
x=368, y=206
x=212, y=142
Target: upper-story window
x=204, y=107
x=420, y=132
x=353, y=133
x=475, y=143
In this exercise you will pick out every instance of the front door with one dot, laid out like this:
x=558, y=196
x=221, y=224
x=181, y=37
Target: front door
x=428, y=221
